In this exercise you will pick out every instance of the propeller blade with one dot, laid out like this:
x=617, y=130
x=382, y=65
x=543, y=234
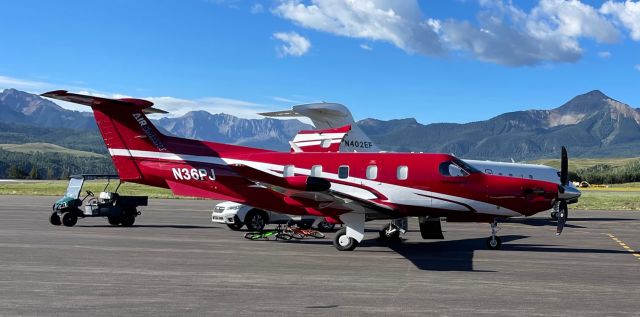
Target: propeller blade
x=563, y=214
x=564, y=167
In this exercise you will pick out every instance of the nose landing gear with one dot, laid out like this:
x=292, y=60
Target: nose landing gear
x=494, y=242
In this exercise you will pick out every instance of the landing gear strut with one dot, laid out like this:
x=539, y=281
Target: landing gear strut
x=391, y=232
x=494, y=242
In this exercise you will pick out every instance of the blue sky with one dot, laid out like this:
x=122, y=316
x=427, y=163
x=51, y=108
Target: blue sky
x=437, y=61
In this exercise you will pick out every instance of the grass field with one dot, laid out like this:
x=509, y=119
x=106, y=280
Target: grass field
x=46, y=148
x=617, y=197
x=581, y=163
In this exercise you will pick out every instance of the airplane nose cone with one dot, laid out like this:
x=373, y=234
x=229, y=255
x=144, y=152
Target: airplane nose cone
x=570, y=193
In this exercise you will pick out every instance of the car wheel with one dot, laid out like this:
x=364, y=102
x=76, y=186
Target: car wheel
x=69, y=219
x=128, y=219
x=325, y=226
x=256, y=220
x=54, y=219
x=114, y=221
x=236, y=225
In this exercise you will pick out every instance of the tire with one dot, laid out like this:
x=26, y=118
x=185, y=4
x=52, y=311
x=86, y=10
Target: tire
x=494, y=245
x=256, y=220
x=252, y=235
x=69, y=219
x=236, y=225
x=344, y=243
x=393, y=237
x=554, y=215
x=283, y=236
x=317, y=234
x=296, y=235
x=128, y=220
x=325, y=226
x=114, y=221
x=54, y=219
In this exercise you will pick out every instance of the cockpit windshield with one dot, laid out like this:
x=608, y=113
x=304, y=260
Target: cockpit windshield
x=456, y=168
x=73, y=190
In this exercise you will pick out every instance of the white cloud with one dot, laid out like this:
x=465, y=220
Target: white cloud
x=502, y=33
x=257, y=8
x=294, y=44
x=10, y=82
x=627, y=13
x=604, y=54
x=396, y=22
x=507, y=35
x=366, y=47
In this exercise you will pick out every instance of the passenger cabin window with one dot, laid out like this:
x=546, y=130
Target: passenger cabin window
x=403, y=172
x=372, y=172
x=325, y=143
x=343, y=171
x=449, y=168
x=316, y=170
x=289, y=170
x=488, y=171
x=530, y=176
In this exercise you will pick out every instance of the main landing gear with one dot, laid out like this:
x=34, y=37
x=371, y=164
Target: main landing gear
x=391, y=232
x=494, y=242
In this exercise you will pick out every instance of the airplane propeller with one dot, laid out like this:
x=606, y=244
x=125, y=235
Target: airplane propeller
x=563, y=209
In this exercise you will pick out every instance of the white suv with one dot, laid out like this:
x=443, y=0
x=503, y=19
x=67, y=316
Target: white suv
x=235, y=216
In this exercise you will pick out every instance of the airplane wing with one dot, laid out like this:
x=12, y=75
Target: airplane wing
x=314, y=194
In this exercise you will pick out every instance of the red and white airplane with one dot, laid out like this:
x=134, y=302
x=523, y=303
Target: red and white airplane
x=351, y=187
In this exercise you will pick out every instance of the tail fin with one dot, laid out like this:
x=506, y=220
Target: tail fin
x=331, y=116
x=124, y=128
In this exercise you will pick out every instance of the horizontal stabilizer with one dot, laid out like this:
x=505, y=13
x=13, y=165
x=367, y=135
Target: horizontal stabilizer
x=326, y=140
x=91, y=101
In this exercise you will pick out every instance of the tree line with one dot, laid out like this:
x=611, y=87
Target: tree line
x=38, y=165
x=608, y=174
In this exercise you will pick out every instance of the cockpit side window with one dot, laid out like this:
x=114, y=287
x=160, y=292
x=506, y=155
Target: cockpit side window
x=451, y=169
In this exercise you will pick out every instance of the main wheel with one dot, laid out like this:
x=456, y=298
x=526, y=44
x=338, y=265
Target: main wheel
x=554, y=215
x=113, y=220
x=256, y=220
x=326, y=226
x=127, y=220
x=344, y=243
x=54, y=219
x=385, y=235
x=494, y=244
x=236, y=225
x=69, y=219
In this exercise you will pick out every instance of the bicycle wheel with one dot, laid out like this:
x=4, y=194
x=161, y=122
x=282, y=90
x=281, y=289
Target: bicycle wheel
x=252, y=235
x=296, y=235
x=317, y=234
x=283, y=236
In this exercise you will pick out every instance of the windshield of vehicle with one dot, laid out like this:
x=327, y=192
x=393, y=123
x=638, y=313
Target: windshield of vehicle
x=456, y=168
x=73, y=190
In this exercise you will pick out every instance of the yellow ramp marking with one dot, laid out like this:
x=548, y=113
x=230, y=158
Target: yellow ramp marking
x=625, y=246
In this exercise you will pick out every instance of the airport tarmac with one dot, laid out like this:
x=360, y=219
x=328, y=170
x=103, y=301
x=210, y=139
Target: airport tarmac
x=175, y=262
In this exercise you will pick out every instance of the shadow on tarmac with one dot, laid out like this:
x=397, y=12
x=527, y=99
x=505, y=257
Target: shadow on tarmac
x=151, y=226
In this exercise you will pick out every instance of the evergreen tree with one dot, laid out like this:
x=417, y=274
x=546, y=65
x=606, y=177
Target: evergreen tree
x=15, y=172
x=50, y=173
x=34, y=173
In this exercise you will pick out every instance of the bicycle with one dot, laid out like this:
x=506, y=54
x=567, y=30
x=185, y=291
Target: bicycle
x=279, y=233
x=299, y=233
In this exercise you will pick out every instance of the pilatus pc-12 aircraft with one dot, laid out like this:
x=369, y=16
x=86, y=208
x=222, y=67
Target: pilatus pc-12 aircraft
x=349, y=187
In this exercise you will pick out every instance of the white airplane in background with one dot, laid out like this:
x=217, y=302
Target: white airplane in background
x=332, y=116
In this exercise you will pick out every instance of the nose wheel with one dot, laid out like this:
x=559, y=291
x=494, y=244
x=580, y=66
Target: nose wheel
x=494, y=242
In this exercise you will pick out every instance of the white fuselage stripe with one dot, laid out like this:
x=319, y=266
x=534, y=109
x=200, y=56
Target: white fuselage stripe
x=395, y=193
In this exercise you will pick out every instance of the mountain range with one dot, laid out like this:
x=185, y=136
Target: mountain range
x=590, y=125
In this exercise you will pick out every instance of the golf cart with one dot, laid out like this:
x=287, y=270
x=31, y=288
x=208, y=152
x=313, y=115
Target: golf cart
x=119, y=210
